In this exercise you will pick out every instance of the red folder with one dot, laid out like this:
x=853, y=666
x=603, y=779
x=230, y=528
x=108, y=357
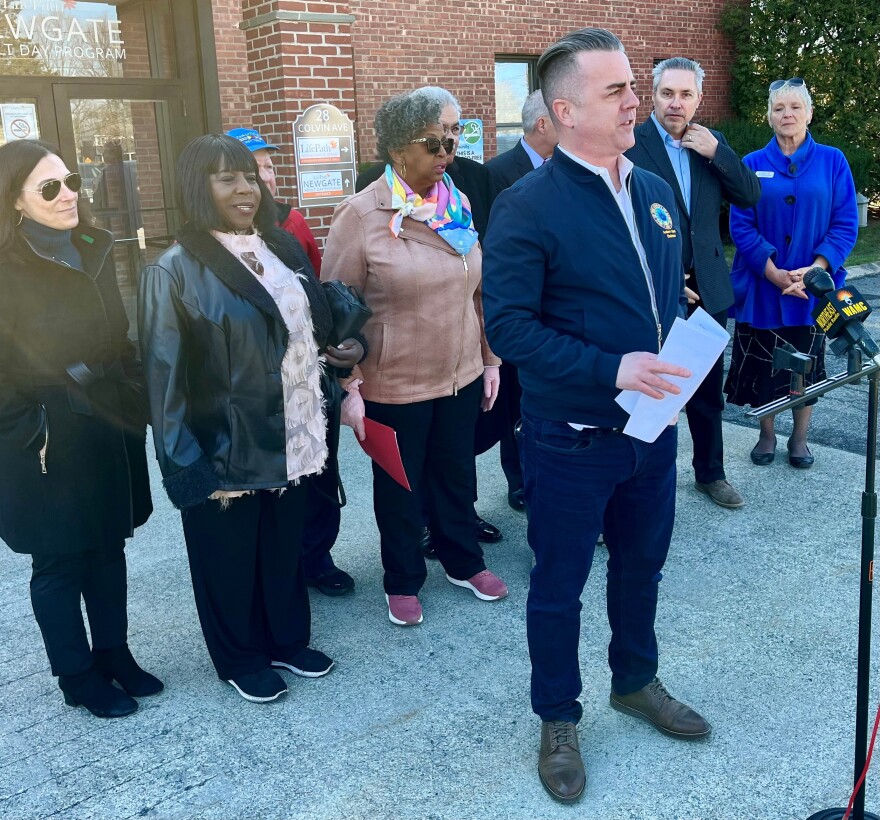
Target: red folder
x=380, y=444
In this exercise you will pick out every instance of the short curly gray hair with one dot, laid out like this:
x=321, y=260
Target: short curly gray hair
x=403, y=118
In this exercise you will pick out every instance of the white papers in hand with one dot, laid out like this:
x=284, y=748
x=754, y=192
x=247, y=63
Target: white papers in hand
x=695, y=344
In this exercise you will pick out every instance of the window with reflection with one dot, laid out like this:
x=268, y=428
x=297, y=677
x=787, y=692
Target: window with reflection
x=515, y=79
x=67, y=38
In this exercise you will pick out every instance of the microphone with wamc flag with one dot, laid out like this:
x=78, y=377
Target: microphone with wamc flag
x=839, y=313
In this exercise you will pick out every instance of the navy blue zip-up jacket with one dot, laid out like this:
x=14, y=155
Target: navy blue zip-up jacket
x=564, y=293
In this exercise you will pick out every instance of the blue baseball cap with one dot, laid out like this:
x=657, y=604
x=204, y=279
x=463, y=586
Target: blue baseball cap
x=251, y=138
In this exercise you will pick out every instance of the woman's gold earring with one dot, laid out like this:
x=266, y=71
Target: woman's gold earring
x=20, y=218
x=403, y=170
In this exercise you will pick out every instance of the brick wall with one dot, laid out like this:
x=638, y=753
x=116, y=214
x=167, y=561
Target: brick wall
x=271, y=73
x=232, y=63
x=386, y=34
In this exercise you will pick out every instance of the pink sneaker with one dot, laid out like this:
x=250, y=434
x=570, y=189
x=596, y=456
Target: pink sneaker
x=404, y=610
x=485, y=585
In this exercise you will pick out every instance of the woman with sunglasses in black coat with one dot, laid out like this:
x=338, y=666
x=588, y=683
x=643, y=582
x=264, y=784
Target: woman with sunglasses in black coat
x=73, y=482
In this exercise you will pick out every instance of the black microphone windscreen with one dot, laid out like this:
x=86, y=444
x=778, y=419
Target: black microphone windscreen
x=818, y=281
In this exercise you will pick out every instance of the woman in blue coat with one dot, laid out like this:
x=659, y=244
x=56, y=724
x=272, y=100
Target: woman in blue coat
x=806, y=217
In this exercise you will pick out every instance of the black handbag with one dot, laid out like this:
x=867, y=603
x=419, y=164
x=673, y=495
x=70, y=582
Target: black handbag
x=348, y=309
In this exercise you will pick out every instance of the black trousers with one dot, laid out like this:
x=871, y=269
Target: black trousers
x=436, y=440
x=509, y=448
x=321, y=523
x=704, y=420
x=57, y=584
x=247, y=580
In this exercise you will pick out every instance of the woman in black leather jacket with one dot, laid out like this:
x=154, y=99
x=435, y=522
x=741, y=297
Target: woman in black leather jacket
x=73, y=470
x=233, y=329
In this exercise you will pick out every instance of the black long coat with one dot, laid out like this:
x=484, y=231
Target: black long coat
x=69, y=383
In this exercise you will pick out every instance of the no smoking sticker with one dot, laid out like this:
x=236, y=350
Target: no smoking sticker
x=20, y=129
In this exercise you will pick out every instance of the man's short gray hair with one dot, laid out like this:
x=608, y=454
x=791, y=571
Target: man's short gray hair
x=795, y=90
x=533, y=109
x=678, y=64
x=558, y=64
x=403, y=118
x=441, y=95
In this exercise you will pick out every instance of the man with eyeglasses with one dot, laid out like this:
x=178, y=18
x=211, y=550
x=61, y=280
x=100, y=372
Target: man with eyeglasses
x=703, y=171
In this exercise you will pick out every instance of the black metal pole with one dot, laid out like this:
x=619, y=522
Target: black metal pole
x=869, y=516
x=866, y=582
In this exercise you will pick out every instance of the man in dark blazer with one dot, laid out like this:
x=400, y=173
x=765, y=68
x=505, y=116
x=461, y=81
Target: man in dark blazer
x=702, y=170
x=533, y=150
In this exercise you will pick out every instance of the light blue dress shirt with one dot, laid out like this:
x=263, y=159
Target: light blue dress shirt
x=534, y=156
x=681, y=162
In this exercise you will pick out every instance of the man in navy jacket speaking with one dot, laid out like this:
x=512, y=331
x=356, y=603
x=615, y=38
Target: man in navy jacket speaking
x=582, y=281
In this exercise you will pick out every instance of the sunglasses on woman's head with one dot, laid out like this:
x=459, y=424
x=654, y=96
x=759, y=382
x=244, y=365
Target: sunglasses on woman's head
x=433, y=144
x=793, y=81
x=50, y=190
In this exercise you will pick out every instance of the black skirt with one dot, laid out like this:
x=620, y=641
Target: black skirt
x=752, y=379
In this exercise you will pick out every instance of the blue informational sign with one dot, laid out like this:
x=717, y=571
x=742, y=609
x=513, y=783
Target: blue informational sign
x=470, y=143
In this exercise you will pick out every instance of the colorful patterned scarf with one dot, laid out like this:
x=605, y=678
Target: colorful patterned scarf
x=445, y=210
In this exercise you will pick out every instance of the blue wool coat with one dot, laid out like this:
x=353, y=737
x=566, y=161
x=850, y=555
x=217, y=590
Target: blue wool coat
x=807, y=208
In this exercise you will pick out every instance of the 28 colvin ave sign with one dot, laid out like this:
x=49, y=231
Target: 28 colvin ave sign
x=49, y=30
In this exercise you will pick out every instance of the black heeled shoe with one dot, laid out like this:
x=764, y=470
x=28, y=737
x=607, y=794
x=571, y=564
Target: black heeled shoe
x=119, y=665
x=800, y=462
x=92, y=690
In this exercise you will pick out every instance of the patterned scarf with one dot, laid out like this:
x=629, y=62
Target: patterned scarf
x=445, y=210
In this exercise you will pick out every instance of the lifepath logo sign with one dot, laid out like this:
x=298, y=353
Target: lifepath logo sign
x=326, y=167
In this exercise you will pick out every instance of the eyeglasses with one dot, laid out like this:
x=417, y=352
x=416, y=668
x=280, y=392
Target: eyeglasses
x=433, y=144
x=50, y=190
x=794, y=82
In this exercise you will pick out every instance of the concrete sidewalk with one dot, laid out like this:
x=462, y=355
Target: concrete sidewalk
x=757, y=628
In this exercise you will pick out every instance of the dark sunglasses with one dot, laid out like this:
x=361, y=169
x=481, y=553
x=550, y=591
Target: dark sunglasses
x=433, y=144
x=794, y=82
x=50, y=190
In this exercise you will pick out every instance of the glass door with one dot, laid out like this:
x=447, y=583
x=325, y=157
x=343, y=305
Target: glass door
x=124, y=147
x=109, y=83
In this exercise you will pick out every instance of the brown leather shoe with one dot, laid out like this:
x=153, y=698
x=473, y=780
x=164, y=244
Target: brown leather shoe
x=655, y=705
x=723, y=493
x=560, y=766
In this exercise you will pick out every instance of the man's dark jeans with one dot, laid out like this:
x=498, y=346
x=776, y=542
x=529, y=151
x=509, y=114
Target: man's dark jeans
x=579, y=484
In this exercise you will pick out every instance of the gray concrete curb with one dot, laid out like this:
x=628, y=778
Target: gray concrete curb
x=858, y=271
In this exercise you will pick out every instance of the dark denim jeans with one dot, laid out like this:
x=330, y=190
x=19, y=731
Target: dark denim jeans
x=578, y=484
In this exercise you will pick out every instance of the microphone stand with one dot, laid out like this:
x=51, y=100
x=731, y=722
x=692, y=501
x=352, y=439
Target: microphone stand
x=855, y=371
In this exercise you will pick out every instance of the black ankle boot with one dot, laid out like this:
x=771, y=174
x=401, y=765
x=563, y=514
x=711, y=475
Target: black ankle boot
x=99, y=696
x=119, y=665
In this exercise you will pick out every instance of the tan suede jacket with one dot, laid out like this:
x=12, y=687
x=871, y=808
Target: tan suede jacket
x=426, y=333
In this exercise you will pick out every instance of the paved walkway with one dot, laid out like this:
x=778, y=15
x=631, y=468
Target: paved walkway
x=757, y=628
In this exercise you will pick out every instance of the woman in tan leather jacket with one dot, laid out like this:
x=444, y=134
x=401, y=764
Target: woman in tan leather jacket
x=407, y=241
